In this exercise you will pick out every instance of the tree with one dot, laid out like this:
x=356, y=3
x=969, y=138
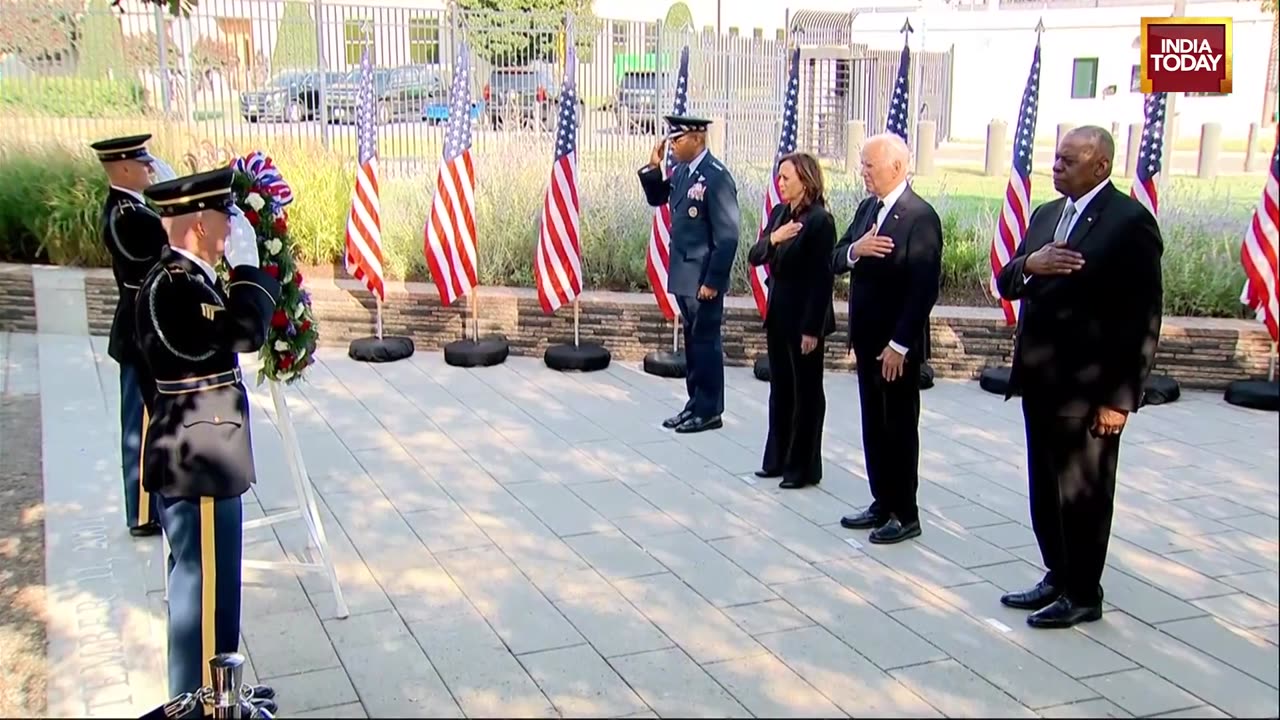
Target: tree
x=40, y=32
x=296, y=39
x=102, y=45
x=520, y=32
x=679, y=18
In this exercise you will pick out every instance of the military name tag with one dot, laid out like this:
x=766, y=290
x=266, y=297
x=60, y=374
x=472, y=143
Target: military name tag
x=693, y=212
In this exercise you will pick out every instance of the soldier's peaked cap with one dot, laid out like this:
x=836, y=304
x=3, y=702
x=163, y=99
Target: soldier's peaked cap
x=193, y=193
x=681, y=124
x=133, y=147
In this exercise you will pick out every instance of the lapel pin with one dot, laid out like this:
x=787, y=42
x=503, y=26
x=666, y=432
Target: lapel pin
x=693, y=212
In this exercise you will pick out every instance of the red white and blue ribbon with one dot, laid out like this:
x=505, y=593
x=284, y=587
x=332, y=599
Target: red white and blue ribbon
x=265, y=178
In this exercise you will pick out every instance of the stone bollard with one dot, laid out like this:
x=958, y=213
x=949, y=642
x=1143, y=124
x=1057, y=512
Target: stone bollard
x=716, y=134
x=1210, y=150
x=1251, y=150
x=926, y=141
x=1131, y=150
x=997, y=141
x=855, y=134
x=1063, y=129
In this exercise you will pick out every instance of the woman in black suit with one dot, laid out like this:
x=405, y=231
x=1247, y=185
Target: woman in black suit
x=796, y=244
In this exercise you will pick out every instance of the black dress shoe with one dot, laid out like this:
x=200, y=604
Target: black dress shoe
x=894, y=532
x=148, y=530
x=793, y=483
x=1041, y=596
x=674, y=421
x=697, y=424
x=1064, y=613
x=865, y=520
x=766, y=473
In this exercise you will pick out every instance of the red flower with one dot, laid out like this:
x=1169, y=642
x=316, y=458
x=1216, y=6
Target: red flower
x=297, y=277
x=272, y=269
x=252, y=216
x=280, y=226
x=305, y=326
x=286, y=362
x=279, y=320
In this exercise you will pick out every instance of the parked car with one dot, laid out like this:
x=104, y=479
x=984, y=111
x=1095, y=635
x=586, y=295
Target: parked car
x=636, y=101
x=436, y=109
x=400, y=93
x=523, y=97
x=291, y=96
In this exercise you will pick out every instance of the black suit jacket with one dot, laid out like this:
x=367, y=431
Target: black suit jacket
x=135, y=237
x=1088, y=339
x=799, y=277
x=891, y=298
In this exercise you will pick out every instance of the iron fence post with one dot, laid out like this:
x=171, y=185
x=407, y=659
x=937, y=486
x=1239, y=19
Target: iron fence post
x=322, y=96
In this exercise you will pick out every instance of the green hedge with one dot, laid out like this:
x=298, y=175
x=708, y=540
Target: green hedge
x=50, y=202
x=76, y=97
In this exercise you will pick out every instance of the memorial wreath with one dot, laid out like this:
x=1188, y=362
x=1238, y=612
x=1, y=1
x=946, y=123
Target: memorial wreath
x=262, y=195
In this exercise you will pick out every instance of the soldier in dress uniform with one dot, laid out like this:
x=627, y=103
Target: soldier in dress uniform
x=134, y=236
x=199, y=456
x=704, y=239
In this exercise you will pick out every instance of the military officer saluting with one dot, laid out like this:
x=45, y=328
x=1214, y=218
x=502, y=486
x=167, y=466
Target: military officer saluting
x=134, y=236
x=704, y=239
x=199, y=455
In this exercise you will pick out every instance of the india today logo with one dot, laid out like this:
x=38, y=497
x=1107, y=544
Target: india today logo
x=1186, y=54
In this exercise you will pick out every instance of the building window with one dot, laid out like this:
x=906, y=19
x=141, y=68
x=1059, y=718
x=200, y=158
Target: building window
x=1084, y=78
x=1135, y=79
x=781, y=35
x=424, y=41
x=357, y=35
x=619, y=36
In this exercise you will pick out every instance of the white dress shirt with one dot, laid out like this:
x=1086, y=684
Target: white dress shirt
x=693, y=164
x=889, y=201
x=200, y=263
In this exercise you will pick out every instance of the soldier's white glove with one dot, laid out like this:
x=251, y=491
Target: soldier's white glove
x=161, y=170
x=242, y=242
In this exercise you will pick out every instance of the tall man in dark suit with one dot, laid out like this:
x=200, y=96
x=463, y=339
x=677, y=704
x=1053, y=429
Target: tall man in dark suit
x=199, y=454
x=134, y=236
x=704, y=239
x=893, y=251
x=1089, y=281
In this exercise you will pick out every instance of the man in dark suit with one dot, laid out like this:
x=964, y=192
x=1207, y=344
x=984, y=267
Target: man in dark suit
x=893, y=251
x=199, y=454
x=1089, y=281
x=134, y=236
x=704, y=239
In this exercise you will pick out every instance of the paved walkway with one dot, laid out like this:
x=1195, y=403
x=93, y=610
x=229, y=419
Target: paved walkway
x=518, y=542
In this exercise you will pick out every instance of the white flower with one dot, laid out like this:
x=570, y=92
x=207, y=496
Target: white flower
x=274, y=246
x=299, y=310
x=255, y=201
x=281, y=346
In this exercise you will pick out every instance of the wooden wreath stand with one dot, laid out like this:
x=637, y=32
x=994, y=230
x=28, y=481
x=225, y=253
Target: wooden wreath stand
x=306, y=510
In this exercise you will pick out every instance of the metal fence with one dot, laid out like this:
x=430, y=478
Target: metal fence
x=262, y=71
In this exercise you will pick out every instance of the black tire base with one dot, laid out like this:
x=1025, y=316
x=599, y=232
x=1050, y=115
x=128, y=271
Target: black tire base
x=995, y=380
x=1254, y=394
x=665, y=363
x=486, y=352
x=926, y=376
x=373, y=350
x=761, y=368
x=584, y=357
x=1160, y=390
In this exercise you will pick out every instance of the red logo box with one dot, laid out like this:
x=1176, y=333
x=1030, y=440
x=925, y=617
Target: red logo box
x=1186, y=54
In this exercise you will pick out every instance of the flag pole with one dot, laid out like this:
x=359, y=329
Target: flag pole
x=378, y=316
x=675, y=334
x=1271, y=363
x=575, y=322
x=474, y=302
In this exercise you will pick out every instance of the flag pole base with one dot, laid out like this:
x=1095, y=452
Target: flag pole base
x=761, y=368
x=995, y=380
x=666, y=364
x=389, y=348
x=580, y=356
x=1254, y=394
x=485, y=352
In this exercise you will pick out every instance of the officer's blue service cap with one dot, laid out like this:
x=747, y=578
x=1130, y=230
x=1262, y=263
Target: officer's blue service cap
x=133, y=147
x=682, y=124
x=194, y=193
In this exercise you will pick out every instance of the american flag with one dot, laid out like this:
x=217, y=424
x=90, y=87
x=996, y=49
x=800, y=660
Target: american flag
x=364, y=224
x=450, y=245
x=898, y=106
x=1150, y=152
x=1260, y=253
x=786, y=144
x=658, y=262
x=1012, y=226
x=557, y=268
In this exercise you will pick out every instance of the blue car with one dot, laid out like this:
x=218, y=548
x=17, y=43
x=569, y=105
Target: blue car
x=436, y=111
